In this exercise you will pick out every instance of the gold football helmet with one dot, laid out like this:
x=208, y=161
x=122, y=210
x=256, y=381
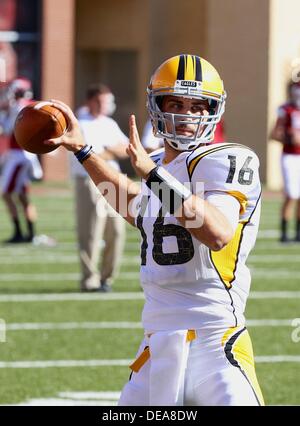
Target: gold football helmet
x=187, y=76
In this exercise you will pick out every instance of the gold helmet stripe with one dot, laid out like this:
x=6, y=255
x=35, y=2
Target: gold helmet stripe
x=189, y=68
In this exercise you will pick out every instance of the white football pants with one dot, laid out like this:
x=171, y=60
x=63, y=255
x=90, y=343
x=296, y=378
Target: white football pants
x=219, y=370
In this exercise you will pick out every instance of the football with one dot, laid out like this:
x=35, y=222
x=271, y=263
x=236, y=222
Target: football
x=36, y=123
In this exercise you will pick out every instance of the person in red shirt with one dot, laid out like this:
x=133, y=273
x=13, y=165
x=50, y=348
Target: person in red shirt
x=287, y=131
x=220, y=135
x=18, y=165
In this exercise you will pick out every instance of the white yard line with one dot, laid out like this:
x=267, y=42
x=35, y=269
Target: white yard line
x=274, y=295
x=61, y=258
x=62, y=297
x=267, y=247
x=119, y=362
x=277, y=358
x=25, y=277
x=65, y=247
x=90, y=395
x=269, y=322
x=68, y=363
x=58, y=258
x=82, y=297
x=275, y=274
x=277, y=258
x=268, y=233
x=67, y=402
x=72, y=325
x=77, y=398
x=122, y=325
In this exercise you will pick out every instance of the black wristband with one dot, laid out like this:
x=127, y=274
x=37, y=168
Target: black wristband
x=153, y=177
x=168, y=189
x=84, y=153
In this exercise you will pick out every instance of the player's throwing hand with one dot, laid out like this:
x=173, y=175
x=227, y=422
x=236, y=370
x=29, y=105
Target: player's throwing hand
x=72, y=139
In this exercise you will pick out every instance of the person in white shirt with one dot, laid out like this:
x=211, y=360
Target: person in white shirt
x=97, y=222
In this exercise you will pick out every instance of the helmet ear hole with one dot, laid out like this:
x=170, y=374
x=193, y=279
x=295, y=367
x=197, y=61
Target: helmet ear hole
x=159, y=101
x=212, y=106
x=160, y=125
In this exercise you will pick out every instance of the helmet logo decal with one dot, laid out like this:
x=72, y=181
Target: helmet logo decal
x=188, y=87
x=188, y=83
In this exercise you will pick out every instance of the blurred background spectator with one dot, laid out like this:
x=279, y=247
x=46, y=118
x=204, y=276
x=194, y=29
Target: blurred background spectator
x=149, y=141
x=287, y=131
x=18, y=167
x=96, y=221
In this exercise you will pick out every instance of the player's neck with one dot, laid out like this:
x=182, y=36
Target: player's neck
x=170, y=153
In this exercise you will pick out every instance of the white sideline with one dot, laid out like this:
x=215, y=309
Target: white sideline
x=83, y=297
x=90, y=325
x=69, y=363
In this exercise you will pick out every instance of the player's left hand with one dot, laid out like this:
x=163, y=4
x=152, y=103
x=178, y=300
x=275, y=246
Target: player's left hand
x=140, y=160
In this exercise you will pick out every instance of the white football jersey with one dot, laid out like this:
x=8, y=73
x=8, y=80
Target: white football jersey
x=186, y=284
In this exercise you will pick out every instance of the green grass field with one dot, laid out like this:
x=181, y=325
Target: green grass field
x=64, y=347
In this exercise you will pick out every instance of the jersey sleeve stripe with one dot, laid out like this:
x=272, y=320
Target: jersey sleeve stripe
x=242, y=199
x=225, y=260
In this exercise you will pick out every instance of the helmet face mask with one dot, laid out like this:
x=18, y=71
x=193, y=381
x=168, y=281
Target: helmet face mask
x=192, y=71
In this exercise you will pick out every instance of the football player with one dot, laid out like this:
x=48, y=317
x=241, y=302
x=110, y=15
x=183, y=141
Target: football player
x=198, y=214
x=19, y=166
x=287, y=131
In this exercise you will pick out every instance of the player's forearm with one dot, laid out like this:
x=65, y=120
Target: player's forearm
x=116, y=152
x=118, y=190
x=205, y=222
